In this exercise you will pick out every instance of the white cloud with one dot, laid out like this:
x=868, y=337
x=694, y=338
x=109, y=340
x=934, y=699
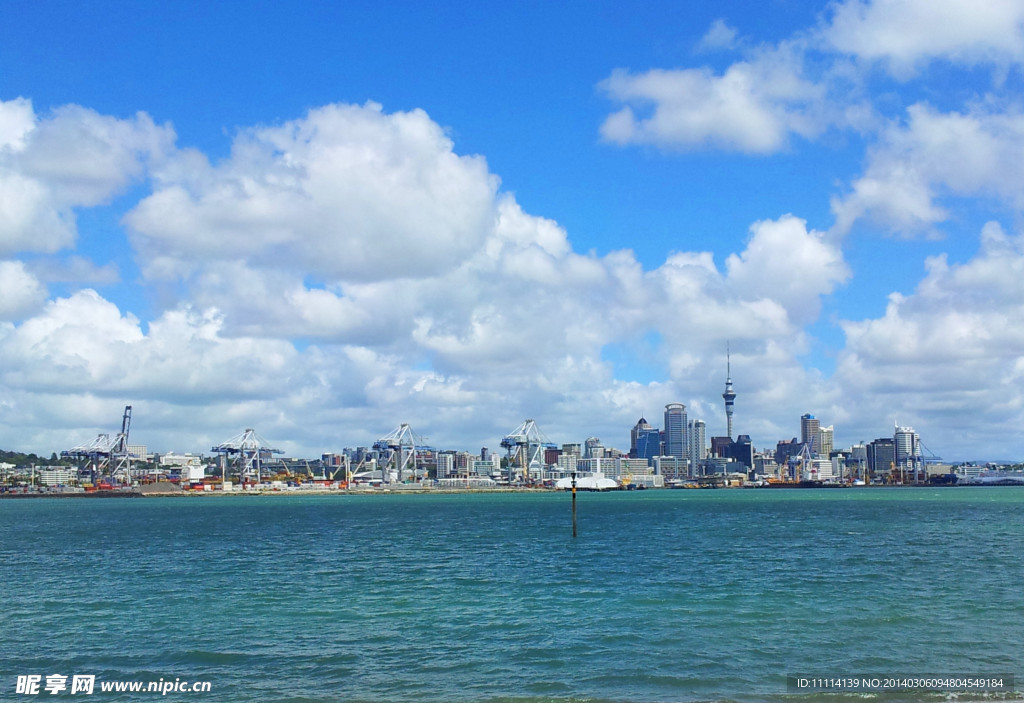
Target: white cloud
x=755, y=106
x=906, y=34
x=21, y=293
x=17, y=119
x=973, y=153
x=719, y=36
x=787, y=264
x=72, y=158
x=345, y=192
x=500, y=320
x=961, y=326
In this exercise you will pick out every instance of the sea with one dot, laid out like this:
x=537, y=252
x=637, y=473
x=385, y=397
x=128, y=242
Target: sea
x=662, y=596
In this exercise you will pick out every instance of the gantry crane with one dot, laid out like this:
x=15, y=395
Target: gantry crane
x=104, y=454
x=250, y=451
x=120, y=457
x=398, y=450
x=525, y=447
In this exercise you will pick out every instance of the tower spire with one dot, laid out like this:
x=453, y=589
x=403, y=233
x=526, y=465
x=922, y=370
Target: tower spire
x=729, y=396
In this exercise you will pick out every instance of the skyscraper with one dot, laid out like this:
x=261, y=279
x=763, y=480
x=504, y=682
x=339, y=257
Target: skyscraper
x=908, y=449
x=648, y=444
x=675, y=430
x=729, y=396
x=826, y=440
x=697, y=437
x=634, y=434
x=593, y=448
x=881, y=457
x=809, y=429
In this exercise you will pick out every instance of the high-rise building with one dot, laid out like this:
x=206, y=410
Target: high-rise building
x=696, y=436
x=809, y=430
x=640, y=426
x=881, y=457
x=648, y=445
x=826, y=439
x=908, y=449
x=742, y=450
x=720, y=447
x=593, y=449
x=445, y=465
x=675, y=430
x=729, y=396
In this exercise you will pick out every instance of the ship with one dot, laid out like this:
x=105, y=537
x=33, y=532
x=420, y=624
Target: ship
x=994, y=477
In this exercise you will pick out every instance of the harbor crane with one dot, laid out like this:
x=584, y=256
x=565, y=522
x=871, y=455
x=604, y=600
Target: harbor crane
x=120, y=457
x=251, y=452
x=398, y=450
x=525, y=448
x=104, y=454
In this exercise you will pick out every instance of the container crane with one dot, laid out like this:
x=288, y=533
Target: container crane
x=104, y=455
x=525, y=448
x=399, y=451
x=120, y=457
x=250, y=451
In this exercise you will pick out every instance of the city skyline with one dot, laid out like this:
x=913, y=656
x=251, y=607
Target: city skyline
x=646, y=441
x=328, y=220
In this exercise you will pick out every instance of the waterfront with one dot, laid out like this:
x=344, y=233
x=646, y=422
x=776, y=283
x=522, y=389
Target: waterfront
x=665, y=595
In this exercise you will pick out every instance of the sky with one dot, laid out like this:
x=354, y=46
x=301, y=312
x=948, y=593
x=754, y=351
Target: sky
x=322, y=220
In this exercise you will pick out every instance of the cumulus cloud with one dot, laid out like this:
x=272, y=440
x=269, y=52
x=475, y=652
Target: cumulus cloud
x=21, y=293
x=347, y=191
x=348, y=271
x=17, y=119
x=71, y=158
x=719, y=36
x=754, y=107
x=961, y=325
x=789, y=265
x=905, y=35
x=936, y=154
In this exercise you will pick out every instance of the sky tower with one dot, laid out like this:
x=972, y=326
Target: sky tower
x=729, y=396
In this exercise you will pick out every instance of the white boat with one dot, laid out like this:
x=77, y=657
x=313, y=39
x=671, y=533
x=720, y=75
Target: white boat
x=993, y=477
x=590, y=482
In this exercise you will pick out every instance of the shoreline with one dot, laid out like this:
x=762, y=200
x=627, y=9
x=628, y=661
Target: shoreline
x=411, y=490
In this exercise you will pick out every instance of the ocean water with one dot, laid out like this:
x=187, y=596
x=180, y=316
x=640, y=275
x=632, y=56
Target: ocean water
x=664, y=595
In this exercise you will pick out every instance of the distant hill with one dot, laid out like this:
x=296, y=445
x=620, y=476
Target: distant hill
x=20, y=459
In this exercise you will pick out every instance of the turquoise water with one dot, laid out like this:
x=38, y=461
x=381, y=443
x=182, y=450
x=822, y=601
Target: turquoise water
x=664, y=596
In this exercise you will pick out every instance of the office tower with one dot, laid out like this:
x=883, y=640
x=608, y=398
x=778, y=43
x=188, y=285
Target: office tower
x=648, y=445
x=882, y=457
x=696, y=436
x=742, y=450
x=908, y=448
x=445, y=465
x=675, y=430
x=640, y=426
x=593, y=449
x=720, y=447
x=809, y=429
x=729, y=396
x=826, y=439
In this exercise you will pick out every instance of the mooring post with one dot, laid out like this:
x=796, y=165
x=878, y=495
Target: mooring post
x=574, y=504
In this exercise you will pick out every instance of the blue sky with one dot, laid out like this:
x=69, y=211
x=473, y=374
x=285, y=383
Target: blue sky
x=325, y=219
